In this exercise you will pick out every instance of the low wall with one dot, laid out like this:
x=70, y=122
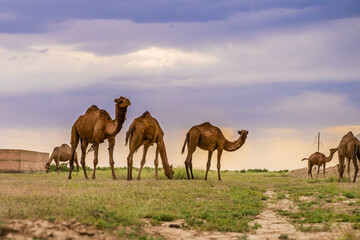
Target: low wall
x=22, y=161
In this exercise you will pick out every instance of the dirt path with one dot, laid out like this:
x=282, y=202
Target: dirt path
x=274, y=226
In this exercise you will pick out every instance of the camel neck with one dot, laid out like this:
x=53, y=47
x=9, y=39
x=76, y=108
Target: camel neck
x=120, y=117
x=233, y=146
x=329, y=158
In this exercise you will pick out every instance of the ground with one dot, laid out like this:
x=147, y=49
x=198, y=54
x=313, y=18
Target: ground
x=247, y=205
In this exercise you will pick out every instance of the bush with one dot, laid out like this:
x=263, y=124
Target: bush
x=63, y=167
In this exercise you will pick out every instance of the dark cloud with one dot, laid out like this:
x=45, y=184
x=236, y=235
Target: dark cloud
x=35, y=16
x=178, y=108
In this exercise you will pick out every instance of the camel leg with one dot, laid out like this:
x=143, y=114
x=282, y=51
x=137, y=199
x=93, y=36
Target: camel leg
x=218, y=162
x=356, y=168
x=192, y=175
x=324, y=169
x=192, y=144
x=156, y=163
x=77, y=165
x=187, y=163
x=310, y=170
x=130, y=163
x=341, y=167
x=318, y=171
x=208, y=164
x=348, y=169
x=84, y=145
x=143, y=160
x=73, y=152
x=57, y=166
x=96, y=160
x=111, y=156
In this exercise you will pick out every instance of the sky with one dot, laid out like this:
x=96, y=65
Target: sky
x=283, y=70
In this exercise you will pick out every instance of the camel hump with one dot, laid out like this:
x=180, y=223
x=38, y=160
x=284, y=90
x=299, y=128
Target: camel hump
x=146, y=114
x=350, y=134
x=92, y=108
x=205, y=124
x=105, y=113
x=64, y=145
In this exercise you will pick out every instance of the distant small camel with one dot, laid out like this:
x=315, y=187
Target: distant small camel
x=209, y=138
x=319, y=159
x=61, y=154
x=145, y=130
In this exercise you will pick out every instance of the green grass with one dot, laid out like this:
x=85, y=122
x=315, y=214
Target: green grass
x=212, y=205
x=226, y=205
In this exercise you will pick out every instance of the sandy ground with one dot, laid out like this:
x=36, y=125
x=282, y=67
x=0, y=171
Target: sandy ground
x=330, y=171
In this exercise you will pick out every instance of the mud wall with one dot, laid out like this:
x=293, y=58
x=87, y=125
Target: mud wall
x=22, y=161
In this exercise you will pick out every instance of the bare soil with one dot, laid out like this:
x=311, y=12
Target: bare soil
x=41, y=229
x=329, y=172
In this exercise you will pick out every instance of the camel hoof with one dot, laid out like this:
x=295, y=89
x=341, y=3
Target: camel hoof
x=93, y=177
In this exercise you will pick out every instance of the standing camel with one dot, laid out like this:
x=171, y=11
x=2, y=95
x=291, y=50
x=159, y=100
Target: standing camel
x=61, y=154
x=145, y=130
x=348, y=149
x=319, y=159
x=210, y=138
x=94, y=127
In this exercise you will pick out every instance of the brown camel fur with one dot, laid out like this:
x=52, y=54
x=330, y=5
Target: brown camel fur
x=94, y=127
x=319, y=159
x=348, y=149
x=145, y=130
x=209, y=138
x=61, y=154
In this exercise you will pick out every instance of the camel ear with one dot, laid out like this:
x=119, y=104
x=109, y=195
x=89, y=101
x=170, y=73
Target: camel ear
x=239, y=132
x=171, y=166
x=247, y=132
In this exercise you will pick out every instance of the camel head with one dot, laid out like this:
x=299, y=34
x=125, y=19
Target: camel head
x=243, y=134
x=122, y=102
x=333, y=150
x=47, y=167
x=170, y=174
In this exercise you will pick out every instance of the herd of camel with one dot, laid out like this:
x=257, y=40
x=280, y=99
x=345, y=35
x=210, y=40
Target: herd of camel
x=96, y=125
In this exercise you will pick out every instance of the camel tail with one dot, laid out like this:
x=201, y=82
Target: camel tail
x=186, y=141
x=304, y=159
x=128, y=133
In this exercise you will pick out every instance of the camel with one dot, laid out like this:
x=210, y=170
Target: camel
x=94, y=127
x=145, y=130
x=319, y=159
x=349, y=148
x=61, y=154
x=209, y=138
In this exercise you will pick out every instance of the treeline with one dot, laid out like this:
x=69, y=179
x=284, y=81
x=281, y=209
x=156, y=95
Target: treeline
x=64, y=168
x=257, y=170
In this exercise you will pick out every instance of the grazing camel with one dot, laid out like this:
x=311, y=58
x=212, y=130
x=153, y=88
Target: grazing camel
x=94, y=127
x=319, y=159
x=209, y=138
x=145, y=130
x=349, y=148
x=61, y=154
